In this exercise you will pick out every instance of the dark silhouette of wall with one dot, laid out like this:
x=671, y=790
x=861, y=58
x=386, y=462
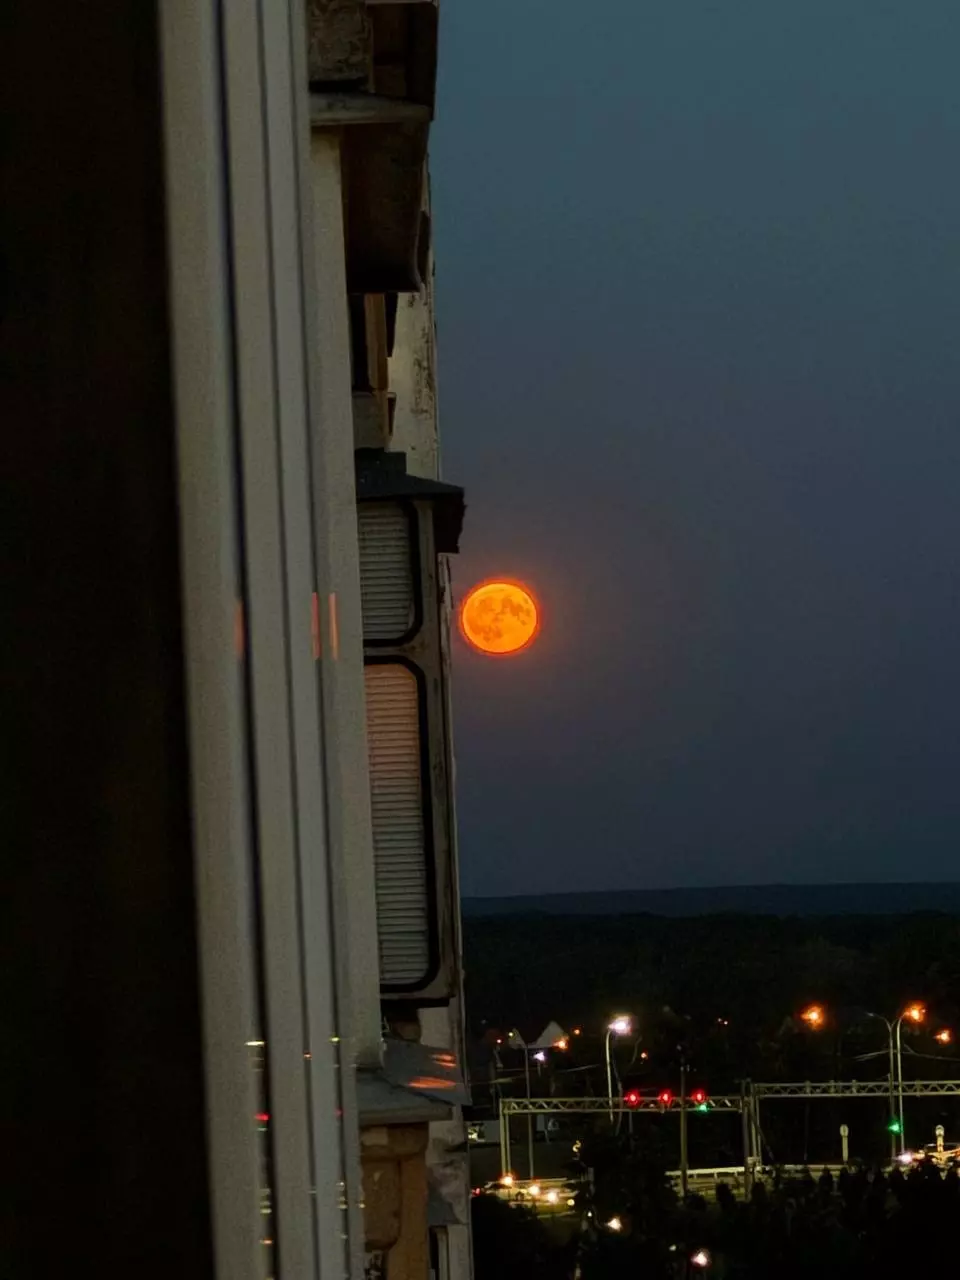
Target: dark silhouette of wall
x=102, y=1097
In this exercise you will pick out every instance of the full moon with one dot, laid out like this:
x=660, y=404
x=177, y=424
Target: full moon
x=499, y=618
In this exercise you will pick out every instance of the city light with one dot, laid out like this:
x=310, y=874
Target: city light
x=552, y=1196
x=561, y=1044
x=632, y=1098
x=614, y=1225
x=621, y=1025
x=665, y=1097
x=576, y=1031
x=699, y=1099
x=700, y=1259
x=944, y=1037
x=915, y=1012
x=814, y=1016
x=507, y=1180
x=533, y=1191
x=894, y=1125
x=539, y=1056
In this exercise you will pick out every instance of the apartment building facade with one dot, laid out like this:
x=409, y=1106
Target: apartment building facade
x=233, y=940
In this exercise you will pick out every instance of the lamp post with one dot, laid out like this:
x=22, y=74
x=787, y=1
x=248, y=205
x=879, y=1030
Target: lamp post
x=621, y=1025
x=684, y=1154
x=517, y=1042
x=913, y=1013
x=815, y=1018
x=892, y=1077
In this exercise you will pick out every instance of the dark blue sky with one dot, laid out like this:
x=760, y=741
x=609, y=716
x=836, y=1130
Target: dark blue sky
x=699, y=303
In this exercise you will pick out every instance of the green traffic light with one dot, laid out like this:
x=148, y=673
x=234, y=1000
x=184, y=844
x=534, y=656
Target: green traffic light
x=703, y=1107
x=894, y=1126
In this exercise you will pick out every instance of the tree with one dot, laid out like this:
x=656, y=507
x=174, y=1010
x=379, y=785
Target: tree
x=628, y=1185
x=510, y=1243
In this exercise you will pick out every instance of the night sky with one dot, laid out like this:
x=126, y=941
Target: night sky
x=699, y=307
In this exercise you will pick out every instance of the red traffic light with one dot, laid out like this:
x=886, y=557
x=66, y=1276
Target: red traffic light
x=632, y=1098
x=665, y=1097
x=698, y=1097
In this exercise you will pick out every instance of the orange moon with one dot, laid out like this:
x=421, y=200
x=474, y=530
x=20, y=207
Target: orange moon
x=499, y=617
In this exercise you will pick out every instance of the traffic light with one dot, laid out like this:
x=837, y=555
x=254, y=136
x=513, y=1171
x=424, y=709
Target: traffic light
x=894, y=1125
x=632, y=1098
x=700, y=1100
x=665, y=1097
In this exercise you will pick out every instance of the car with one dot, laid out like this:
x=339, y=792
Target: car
x=944, y=1155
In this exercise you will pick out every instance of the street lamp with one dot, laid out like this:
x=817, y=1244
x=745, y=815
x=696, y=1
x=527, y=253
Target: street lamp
x=914, y=1013
x=815, y=1018
x=944, y=1037
x=621, y=1025
x=517, y=1041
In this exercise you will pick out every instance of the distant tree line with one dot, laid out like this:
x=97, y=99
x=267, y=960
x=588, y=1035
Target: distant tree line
x=736, y=980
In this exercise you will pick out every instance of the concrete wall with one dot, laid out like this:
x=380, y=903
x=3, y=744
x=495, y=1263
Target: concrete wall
x=396, y=1160
x=413, y=379
x=395, y=1195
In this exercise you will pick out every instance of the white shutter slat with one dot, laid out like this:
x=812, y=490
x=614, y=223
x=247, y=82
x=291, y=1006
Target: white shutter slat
x=399, y=844
x=387, y=599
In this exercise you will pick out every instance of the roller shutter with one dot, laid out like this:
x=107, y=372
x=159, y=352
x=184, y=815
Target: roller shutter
x=399, y=823
x=387, y=593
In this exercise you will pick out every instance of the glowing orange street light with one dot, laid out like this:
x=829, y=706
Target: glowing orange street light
x=499, y=617
x=561, y=1044
x=945, y=1036
x=914, y=1013
x=814, y=1017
